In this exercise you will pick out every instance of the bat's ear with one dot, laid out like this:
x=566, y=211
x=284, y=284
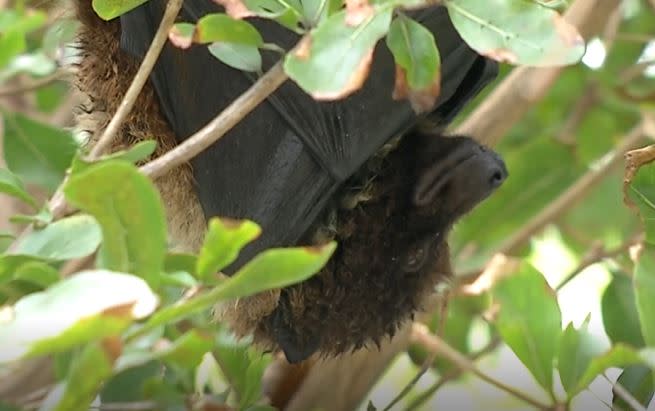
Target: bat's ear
x=296, y=348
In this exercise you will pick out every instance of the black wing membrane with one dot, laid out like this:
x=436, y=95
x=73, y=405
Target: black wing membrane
x=282, y=163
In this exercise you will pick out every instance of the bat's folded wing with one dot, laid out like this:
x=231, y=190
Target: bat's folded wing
x=284, y=161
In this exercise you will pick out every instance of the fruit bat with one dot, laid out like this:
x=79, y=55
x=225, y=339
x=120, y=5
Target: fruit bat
x=359, y=170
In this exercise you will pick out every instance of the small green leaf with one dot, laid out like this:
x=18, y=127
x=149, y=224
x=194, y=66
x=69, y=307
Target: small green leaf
x=128, y=208
x=518, y=32
x=37, y=152
x=239, y=56
x=577, y=349
x=223, y=241
x=276, y=268
x=242, y=366
x=85, y=307
x=9, y=264
x=221, y=28
x=620, y=355
x=136, y=153
x=110, y=9
x=414, y=49
x=10, y=184
x=333, y=62
x=619, y=309
x=642, y=193
x=174, y=262
x=89, y=371
x=640, y=383
x=187, y=351
x=529, y=321
x=644, y=286
x=37, y=273
x=68, y=238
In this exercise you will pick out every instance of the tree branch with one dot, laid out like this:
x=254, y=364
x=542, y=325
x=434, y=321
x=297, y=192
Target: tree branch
x=220, y=125
x=421, y=335
x=172, y=9
x=574, y=193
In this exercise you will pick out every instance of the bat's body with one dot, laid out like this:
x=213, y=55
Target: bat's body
x=293, y=162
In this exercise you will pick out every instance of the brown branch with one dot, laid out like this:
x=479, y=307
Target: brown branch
x=451, y=375
x=172, y=9
x=421, y=335
x=573, y=194
x=218, y=127
x=597, y=254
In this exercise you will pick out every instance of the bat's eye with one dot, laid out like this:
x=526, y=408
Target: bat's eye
x=416, y=257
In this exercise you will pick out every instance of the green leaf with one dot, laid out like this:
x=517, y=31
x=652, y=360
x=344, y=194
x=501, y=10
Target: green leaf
x=239, y=56
x=414, y=50
x=68, y=238
x=642, y=193
x=127, y=385
x=639, y=381
x=274, y=268
x=286, y=12
x=110, y=9
x=10, y=184
x=37, y=152
x=577, y=349
x=37, y=273
x=86, y=307
x=221, y=28
x=9, y=264
x=128, y=208
x=644, y=286
x=518, y=32
x=223, y=241
x=242, y=366
x=334, y=61
x=620, y=355
x=180, y=262
x=136, y=153
x=187, y=351
x=619, y=309
x=529, y=321
x=90, y=370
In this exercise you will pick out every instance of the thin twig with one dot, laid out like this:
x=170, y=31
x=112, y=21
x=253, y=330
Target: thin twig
x=625, y=395
x=35, y=84
x=422, y=336
x=451, y=375
x=172, y=9
x=217, y=128
x=598, y=254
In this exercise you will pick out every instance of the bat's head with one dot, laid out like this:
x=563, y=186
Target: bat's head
x=454, y=175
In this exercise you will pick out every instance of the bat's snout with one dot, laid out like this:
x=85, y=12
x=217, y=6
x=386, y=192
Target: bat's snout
x=465, y=176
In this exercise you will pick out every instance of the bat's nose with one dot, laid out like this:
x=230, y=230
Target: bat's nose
x=493, y=167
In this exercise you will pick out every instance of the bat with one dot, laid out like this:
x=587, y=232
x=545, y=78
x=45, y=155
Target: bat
x=306, y=171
